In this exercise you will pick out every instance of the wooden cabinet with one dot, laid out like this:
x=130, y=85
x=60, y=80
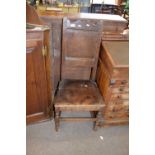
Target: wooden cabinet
x=37, y=83
x=113, y=81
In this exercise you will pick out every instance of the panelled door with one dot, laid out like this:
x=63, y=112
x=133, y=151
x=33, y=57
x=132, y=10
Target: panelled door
x=36, y=82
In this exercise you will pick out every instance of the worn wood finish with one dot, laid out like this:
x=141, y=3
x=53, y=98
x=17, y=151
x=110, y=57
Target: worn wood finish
x=111, y=23
x=115, y=122
x=115, y=23
x=38, y=86
x=48, y=68
x=55, y=50
x=36, y=118
x=78, y=92
x=115, y=58
x=77, y=95
x=113, y=81
x=81, y=41
x=80, y=63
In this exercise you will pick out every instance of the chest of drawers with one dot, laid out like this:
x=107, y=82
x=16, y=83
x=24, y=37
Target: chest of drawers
x=113, y=81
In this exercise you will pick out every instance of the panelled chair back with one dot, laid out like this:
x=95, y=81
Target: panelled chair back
x=81, y=43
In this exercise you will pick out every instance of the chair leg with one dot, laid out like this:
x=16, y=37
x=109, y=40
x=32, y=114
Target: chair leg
x=96, y=122
x=57, y=120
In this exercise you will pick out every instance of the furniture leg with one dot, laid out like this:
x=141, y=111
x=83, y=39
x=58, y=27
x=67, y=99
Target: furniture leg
x=96, y=122
x=57, y=120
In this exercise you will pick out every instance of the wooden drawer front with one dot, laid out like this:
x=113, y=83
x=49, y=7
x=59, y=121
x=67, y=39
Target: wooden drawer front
x=120, y=89
x=111, y=26
x=119, y=83
x=118, y=106
x=83, y=24
x=120, y=73
x=114, y=36
x=116, y=115
x=34, y=35
x=124, y=96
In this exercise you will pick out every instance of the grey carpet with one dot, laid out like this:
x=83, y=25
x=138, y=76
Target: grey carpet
x=76, y=138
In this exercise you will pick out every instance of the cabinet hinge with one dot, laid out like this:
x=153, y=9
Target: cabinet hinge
x=44, y=50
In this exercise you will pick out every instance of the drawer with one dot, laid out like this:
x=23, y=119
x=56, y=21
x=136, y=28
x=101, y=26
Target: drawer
x=120, y=73
x=118, y=106
x=120, y=89
x=119, y=96
x=111, y=26
x=119, y=83
x=116, y=115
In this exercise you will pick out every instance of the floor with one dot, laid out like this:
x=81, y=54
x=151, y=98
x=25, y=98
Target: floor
x=76, y=138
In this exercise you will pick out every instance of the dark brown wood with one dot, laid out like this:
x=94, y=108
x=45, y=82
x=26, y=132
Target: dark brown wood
x=81, y=42
x=36, y=118
x=48, y=69
x=113, y=81
x=38, y=68
x=78, y=96
x=37, y=84
x=55, y=25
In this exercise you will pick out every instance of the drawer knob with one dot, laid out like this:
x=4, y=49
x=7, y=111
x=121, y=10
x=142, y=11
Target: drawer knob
x=121, y=89
x=123, y=82
x=118, y=96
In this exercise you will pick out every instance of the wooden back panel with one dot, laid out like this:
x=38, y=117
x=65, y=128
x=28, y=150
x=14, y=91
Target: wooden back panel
x=80, y=48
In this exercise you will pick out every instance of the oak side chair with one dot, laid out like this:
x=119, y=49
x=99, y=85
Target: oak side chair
x=77, y=90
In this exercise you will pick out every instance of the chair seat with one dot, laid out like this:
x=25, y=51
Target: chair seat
x=78, y=95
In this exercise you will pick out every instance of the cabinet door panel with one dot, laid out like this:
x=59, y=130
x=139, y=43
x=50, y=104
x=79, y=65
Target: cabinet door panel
x=32, y=105
x=36, y=83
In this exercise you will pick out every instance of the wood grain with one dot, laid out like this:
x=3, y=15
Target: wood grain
x=81, y=42
x=113, y=81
